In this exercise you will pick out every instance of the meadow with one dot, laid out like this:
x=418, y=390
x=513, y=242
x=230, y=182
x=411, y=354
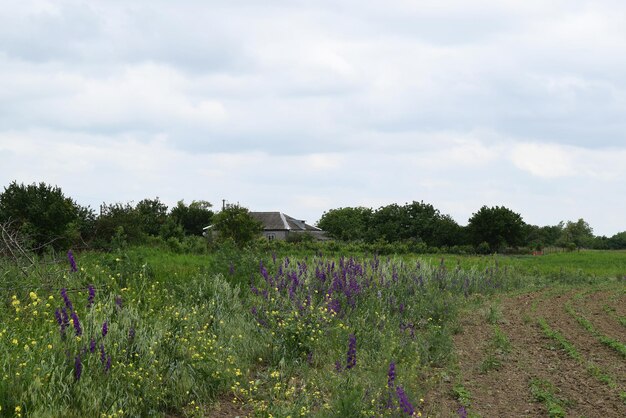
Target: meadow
x=148, y=332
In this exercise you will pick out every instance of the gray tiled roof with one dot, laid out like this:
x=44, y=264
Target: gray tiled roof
x=278, y=221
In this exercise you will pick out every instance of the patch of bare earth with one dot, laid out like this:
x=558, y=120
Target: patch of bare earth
x=586, y=343
x=504, y=391
x=592, y=306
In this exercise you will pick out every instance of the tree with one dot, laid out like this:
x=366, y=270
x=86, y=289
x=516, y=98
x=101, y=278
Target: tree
x=497, y=226
x=539, y=237
x=346, y=224
x=44, y=215
x=577, y=234
x=389, y=223
x=192, y=218
x=152, y=215
x=235, y=222
x=120, y=221
x=618, y=241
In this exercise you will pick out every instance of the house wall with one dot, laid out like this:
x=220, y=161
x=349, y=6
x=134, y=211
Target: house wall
x=280, y=235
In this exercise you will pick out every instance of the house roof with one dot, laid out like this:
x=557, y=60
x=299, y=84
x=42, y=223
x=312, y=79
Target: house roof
x=278, y=221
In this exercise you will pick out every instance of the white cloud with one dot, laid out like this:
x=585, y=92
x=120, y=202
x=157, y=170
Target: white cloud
x=305, y=106
x=553, y=161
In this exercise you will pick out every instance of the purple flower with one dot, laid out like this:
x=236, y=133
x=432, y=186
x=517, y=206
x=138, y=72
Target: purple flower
x=334, y=306
x=404, y=402
x=105, y=329
x=92, y=296
x=107, y=366
x=78, y=367
x=131, y=333
x=118, y=301
x=351, y=356
x=70, y=257
x=61, y=320
x=338, y=366
x=57, y=316
x=391, y=375
x=231, y=269
x=77, y=328
x=92, y=345
x=66, y=299
x=462, y=412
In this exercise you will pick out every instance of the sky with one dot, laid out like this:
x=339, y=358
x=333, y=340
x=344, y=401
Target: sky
x=305, y=106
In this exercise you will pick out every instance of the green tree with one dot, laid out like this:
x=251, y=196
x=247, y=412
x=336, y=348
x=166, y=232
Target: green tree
x=497, y=226
x=192, y=218
x=577, y=234
x=618, y=241
x=44, y=215
x=152, y=215
x=346, y=224
x=235, y=222
x=120, y=221
x=389, y=223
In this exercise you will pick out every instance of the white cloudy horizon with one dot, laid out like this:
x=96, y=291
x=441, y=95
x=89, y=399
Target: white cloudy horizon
x=302, y=107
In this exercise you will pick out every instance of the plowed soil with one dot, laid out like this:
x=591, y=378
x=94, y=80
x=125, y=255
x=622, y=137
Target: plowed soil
x=503, y=388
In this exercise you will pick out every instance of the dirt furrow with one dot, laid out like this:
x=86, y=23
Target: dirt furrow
x=501, y=388
x=590, y=348
x=592, y=307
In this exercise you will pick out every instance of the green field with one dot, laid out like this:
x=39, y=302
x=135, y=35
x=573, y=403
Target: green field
x=242, y=333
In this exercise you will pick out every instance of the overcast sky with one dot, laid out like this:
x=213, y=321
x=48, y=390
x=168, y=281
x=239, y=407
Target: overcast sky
x=304, y=106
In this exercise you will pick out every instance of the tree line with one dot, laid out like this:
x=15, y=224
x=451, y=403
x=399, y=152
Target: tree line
x=490, y=229
x=49, y=220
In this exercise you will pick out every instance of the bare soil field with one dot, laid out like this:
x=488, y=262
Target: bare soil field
x=530, y=355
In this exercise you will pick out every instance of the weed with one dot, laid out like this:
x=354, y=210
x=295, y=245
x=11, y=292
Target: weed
x=462, y=395
x=543, y=391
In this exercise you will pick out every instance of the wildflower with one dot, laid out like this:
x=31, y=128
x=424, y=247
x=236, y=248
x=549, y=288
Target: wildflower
x=462, y=412
x=92, y=296
x=107, y=366
x=92, y=345
x=77, y=327
x=33, y=296
x=404, y=402
x=66, y=299
x=70, y=257
x=57, y=315
x=118, y=301
x=338, y=366
x=131, y=333
x=351, y=356
x=78, y=367
x=105, y=328
x=391, y=375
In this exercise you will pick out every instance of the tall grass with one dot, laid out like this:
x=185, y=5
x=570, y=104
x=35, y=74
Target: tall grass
x=311, y=335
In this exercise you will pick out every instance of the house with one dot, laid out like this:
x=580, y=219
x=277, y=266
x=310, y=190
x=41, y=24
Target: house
x=277, y=225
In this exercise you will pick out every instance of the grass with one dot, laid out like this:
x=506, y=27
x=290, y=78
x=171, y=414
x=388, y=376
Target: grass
x=496, y=351
x=272, y=333
x=543, y=391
